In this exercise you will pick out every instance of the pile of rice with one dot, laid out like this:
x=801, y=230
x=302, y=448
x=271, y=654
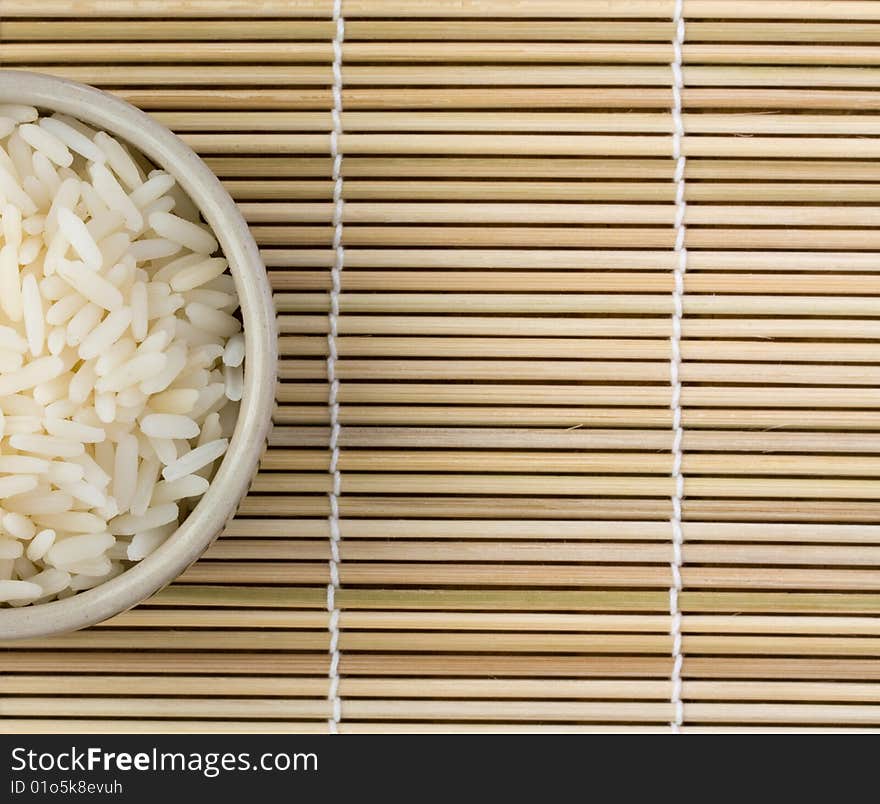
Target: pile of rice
x=121, y=358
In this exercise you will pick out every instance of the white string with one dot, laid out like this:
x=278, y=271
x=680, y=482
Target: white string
x=675, y=367
x=333, y=397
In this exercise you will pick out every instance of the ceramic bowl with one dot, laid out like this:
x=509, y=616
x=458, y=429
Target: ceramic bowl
x=233, y=476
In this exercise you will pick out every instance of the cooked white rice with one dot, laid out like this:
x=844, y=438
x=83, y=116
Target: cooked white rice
x=119, y=348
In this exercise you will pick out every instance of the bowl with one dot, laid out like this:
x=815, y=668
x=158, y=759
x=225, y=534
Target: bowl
x=233, y=477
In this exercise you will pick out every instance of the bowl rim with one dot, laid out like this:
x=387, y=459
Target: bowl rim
x=234, y=475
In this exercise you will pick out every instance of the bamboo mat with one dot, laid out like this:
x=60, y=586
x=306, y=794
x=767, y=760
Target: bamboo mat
x=533, y=237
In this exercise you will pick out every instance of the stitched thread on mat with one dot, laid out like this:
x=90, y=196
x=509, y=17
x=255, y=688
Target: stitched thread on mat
x=675, y=367
x=333, y=355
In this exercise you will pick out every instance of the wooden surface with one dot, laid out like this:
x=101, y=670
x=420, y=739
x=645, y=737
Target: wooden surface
x=505, y=316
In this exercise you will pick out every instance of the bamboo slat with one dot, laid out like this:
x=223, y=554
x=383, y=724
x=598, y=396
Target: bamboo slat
x=561, y=9
x=431, y=51
x=16, y=29
x=505, y=256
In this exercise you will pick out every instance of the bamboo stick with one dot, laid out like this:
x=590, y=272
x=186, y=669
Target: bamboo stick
x=595, y=530
x=151, y=52
x=758, y=509
x=727, y=53
x=734, y=9
x=189, y=686
x=225, y=98
x=602, y=576
x=457, y=728
x=642, y=304
x=497, y=551
x=786, y=98
x=534, y=122
x=721, y=441
x=148, y=30
x=103, y=639
x=42, y=725
x=247, y=29
x=558, y=168
x=462, y=460
x=499, y=438
x=586, y=371
x=583, y=281
x=537, y=75
x=737, y=603
x=475, y=417
x=200, y=686
x=629, y=30
x=308, y=504
x=194, y=75
x=598, y=282
x=270, y=166
x=554, y=9
x=782, y=511
x=506, y=621
x=475, y=642
x=446, y=51
x=579, y=348
x=658, y=145
x=556, y=259
x=427, y=190
x=729, y=396
x=501, y=98
x=243, y=618
x=568, y=485
x=169, y=8
x=416, y=709
x=833, y=421
x=385, y=51
x=433, y=621
x=577, y=418
x=570, y=237
x=781, y=713
x=577, y=214
x=618, y=711
x=822, y=625
x=824, y=329
x=164, y=97
x=441, y=665
x=197, y=686
x=225, y=708
x=522, y=237
x=110, y=726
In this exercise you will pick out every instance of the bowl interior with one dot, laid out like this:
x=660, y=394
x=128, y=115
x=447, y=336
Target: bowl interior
x=233, y=476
